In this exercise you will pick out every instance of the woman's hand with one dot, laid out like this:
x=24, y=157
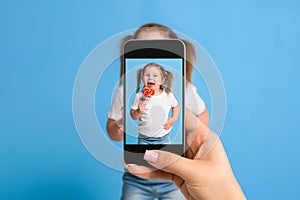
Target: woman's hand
x=204, y=174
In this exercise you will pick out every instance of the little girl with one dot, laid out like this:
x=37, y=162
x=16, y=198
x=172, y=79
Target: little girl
x=133, y=186
x=152, y=112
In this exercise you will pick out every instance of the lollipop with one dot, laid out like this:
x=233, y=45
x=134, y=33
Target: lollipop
x=148, y=91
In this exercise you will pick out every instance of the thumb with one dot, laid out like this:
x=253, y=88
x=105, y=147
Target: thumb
x=170, y=162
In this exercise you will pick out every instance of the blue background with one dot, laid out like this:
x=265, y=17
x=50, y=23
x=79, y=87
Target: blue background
x=255, y=45
x=175, y=66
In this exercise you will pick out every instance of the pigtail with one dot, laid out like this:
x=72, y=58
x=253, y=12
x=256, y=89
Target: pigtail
x=169, y=79
x=190, y=59
x=138, y=79
x=123, y=41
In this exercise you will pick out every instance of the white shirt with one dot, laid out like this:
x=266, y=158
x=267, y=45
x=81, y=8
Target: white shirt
x=156, y=113
x=193, y=102
x=115, y=111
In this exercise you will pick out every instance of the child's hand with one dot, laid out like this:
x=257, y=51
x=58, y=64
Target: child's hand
x=142, y=107
x=169, y=123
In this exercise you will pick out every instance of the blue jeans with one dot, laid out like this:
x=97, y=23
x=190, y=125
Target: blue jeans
x=135, y=188
x=142, y=139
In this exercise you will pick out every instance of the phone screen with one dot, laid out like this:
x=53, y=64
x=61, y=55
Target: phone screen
x=154, y=85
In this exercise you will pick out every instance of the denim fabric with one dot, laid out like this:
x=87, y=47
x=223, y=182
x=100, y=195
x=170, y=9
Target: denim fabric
x=135, y=188
x=142, y=139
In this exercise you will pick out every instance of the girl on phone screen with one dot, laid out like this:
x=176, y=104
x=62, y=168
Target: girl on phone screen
x=151, y=106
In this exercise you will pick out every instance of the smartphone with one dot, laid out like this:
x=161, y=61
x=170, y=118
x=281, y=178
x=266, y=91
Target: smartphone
x=149, y=66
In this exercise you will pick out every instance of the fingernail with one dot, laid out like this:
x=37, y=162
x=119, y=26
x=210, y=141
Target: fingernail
x=150, y=156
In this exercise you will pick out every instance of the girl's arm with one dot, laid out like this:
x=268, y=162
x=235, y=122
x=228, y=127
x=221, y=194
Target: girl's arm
x=204, y=117
x=114, y=124
x=175, y=112
x=138, y=107
x=136, y=114
x=170, y=121
x=114, y=131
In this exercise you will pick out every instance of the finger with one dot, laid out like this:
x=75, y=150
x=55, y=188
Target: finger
x=146, y=172
x=170, y=162
x=168, y=127
x=141, y=171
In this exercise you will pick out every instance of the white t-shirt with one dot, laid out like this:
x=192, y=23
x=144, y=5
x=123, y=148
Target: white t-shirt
x=193, y=102
x=115, y=111
x=156, y=113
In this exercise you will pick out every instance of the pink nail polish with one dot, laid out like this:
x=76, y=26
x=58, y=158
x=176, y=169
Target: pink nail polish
x=151, y=156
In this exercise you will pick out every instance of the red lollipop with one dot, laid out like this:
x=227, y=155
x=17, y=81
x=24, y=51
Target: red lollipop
x=148, y=91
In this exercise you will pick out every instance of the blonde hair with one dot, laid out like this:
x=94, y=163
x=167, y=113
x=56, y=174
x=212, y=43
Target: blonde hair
x=190, y=50
x=166, y=75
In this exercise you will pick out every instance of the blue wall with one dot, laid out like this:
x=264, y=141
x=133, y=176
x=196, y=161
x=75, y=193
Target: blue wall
x=255, y=45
